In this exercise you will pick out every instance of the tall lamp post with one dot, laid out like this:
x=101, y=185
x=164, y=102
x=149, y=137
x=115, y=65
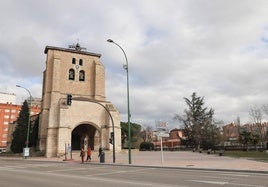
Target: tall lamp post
x=26, y=150
x=128, y=108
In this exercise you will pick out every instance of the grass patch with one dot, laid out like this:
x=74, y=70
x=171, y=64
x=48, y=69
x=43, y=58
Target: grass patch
x=254, y=155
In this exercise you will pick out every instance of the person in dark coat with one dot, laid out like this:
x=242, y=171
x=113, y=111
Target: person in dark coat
x=82, y=155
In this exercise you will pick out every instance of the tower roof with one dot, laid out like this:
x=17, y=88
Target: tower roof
x=71, y=51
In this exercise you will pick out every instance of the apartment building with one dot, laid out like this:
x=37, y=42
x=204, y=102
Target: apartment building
x=7, y=97
x=231, y=132
x=9, y=113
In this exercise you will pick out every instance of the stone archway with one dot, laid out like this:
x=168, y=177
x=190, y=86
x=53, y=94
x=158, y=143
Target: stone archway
x=85, y=135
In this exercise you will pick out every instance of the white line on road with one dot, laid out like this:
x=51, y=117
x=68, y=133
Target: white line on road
x=12, y=167
x=247, y=185
x=236, y=175
x=223, y=183
x=114, y=181
x=73, y=169
x=123, y=171
x=24, y=166
x=209, y=182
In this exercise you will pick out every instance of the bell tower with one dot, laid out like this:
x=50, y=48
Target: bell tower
x=74, y=108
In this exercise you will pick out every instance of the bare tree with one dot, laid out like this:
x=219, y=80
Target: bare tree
x=265, y=109
x=149, y=130
x=255, y=114
x=147, y=133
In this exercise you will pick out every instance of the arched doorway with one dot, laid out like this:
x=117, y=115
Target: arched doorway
x=83, y=136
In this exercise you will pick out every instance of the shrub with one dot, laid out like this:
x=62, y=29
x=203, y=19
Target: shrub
x=146, y=146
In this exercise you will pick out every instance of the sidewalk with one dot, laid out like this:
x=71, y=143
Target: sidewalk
x=179, y=159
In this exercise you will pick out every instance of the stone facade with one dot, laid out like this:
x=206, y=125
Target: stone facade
x=90, y=119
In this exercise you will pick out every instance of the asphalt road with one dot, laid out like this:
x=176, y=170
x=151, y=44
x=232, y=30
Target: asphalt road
x=28, y=173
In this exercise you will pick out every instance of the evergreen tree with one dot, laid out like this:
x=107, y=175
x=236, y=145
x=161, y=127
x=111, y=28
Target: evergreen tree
x=34, y=132
x=245, y=138
x=20, y=133
x=199, y=127
x=135, y=130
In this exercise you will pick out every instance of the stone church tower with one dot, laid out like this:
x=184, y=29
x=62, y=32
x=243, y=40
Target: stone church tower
x=87, y=119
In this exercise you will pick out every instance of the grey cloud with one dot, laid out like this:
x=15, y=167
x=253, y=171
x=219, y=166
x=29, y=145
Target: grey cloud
x=214, y=48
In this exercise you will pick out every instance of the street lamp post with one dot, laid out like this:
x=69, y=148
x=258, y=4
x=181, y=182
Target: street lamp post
x=29, y=121
x=128, y=108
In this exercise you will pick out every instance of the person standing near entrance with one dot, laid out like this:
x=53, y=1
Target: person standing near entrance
x=89, y=153
x=82, y=155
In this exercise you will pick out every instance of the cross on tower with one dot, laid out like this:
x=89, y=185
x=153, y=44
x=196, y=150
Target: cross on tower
x=77, y=47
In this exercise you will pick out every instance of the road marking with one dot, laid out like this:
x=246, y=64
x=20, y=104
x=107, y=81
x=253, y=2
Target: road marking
x=123, y=171
x=6, y=168
x=108, y=173
x=236, y=175
x=114, y=181
x=12, y=167
x=73, y=169
x=135, y=183
x=223, y=183
x=209, y=182
x=248, y=185
x=24, y=166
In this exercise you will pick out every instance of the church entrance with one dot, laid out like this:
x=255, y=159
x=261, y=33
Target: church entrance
x=84, y=136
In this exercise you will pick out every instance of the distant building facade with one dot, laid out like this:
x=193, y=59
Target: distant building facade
x=35, y=101
x=172, y=142
x=8, y=114
x=231, y=132
x=7, y=98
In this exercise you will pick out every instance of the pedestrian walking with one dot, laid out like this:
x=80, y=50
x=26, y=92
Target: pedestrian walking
x=89, y=154
x=82, y=155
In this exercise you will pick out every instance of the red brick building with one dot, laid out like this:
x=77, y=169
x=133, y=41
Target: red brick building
x=171, y=142
x=8, y=114
x=232, y=130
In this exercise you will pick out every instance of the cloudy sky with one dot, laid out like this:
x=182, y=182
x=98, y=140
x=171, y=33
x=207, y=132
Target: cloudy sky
x=216, y=48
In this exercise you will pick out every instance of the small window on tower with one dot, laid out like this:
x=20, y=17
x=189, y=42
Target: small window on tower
x=81, y=75
x=81, y=62
x=73, y=61
x=71, y=74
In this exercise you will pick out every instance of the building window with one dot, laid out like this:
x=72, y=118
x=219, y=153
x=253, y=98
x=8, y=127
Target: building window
x=81, y=62
x=73, y=61
x=71, y=74
x=81, y=75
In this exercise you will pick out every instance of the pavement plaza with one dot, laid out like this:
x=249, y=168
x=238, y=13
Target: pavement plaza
x=178, y=159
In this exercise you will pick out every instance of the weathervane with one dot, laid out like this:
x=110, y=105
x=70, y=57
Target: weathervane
x=77, y=47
